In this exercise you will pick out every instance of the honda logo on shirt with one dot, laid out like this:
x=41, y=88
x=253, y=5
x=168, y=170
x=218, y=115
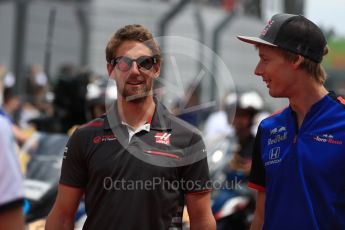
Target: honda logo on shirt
x=163, y=138
x=274, y=153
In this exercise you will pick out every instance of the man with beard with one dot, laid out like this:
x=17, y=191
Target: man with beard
x=137, y=165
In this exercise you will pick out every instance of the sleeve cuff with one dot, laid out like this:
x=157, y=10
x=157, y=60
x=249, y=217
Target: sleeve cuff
x=199, y=192
x=256, y=187
x=11, y=205
x=71, y=185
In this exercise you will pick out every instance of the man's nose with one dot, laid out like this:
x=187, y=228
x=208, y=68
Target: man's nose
x=135, y=68
x=259, y=70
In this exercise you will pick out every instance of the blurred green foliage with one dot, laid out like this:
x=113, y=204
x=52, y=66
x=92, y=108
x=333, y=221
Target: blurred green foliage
x=335, y=59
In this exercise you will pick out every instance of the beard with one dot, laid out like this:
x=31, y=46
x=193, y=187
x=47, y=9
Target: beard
x=137, y=94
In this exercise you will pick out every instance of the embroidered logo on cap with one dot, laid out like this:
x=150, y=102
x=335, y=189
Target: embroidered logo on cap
x=267, y=27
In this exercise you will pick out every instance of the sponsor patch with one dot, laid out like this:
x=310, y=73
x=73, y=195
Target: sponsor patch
x=105, y=138
x=65, y=152
x=327, y=138
x=163, y=138
x=274, y=156
x=277, y=135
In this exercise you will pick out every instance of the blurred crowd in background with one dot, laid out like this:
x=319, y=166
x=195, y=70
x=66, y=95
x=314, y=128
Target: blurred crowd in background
x=52, y=107
x=74, y=95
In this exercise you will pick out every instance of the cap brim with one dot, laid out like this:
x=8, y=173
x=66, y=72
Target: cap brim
x=254, y=40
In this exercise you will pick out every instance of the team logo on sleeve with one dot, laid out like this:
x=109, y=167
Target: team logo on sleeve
x=65, y=153
x=163, y=138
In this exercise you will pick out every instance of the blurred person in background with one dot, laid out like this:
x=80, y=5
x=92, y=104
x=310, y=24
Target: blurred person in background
x=230, y=160
x=129, y=143
x=189, y=107
x=299, y=151
x=186, y=106
x=11, y=107
x=238, y=119
x=11, y=190
x=217, y=125
x=37, y=89
x=70, y=96
x=7, y=79
x=243, y=107
x=12, y=103
x=100, y=93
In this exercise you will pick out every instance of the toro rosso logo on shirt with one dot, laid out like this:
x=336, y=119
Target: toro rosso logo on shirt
x=277, y=134
x=163, y=138
x=327, y=138
x=105, y=138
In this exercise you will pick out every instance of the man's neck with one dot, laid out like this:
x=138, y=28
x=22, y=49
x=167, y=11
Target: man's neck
x=136, y=113
x=305, y=99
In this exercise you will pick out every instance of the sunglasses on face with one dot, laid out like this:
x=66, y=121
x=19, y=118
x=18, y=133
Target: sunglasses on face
x=124, y=63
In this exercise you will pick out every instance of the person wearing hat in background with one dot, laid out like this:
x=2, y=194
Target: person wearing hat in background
x=299, y=151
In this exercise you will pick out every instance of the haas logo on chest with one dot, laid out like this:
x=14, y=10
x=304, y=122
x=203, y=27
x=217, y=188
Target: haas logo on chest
x=163, y=138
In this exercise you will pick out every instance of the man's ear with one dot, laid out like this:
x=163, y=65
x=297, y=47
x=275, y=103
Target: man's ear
x=110, y=69
x=157, y=68
x=298, y=61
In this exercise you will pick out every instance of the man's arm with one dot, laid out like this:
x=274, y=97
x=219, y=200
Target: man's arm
x=62, y=215
x=199, y=210
x=259, y=214
x=12, y=219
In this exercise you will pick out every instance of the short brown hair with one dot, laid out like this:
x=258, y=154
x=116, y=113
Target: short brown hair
x=134, y=32
x=311, y=67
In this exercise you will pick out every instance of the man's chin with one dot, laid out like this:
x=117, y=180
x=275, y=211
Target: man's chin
x=275, y=94
x=138, y=97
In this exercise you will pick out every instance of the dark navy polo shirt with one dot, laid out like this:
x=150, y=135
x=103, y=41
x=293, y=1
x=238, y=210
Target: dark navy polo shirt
x=136, y=184
x=302, y=171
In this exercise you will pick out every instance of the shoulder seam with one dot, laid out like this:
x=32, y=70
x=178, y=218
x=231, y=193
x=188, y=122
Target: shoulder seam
x=338, y=99
x=279, y=111
x=341, y=100
x=94, y=123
